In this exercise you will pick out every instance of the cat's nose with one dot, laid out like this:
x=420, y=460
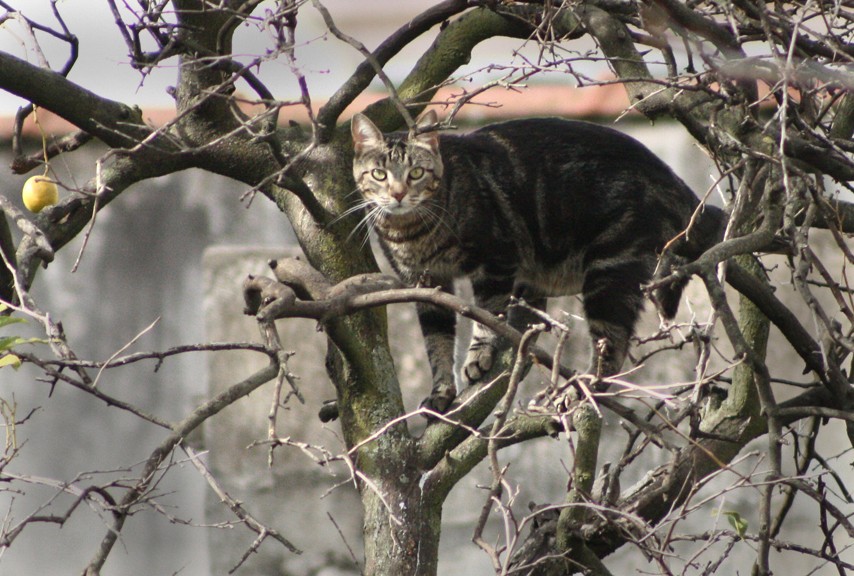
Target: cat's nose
x=398, y=194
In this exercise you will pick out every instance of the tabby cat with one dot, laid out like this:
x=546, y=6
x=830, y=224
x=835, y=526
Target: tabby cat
x=529, y=208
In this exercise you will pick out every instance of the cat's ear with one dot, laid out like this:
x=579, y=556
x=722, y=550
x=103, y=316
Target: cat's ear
x=365, y=134
x=423, y=132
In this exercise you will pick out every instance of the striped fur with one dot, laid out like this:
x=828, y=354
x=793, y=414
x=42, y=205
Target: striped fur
x=532, y=208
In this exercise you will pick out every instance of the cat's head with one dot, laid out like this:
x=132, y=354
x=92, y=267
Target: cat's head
x=397, y=173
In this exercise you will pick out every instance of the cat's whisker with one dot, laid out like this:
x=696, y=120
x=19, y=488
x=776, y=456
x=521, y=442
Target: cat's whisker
x=369, y=222
x=433, y=215
x=353, y=192
x=437, y=216
x=364, y=224
x=352, y=209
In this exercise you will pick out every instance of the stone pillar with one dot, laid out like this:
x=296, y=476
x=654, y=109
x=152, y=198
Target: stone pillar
x=305, y=502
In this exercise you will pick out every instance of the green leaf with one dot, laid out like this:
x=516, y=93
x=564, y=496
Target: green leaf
x=9, y=342
x=6, y=320
x=10, y=360
x=738, y=523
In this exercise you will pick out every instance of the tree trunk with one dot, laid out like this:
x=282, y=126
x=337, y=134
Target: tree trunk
x=401, y=530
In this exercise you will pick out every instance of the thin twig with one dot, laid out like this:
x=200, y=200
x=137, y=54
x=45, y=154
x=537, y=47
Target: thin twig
x=236, y=507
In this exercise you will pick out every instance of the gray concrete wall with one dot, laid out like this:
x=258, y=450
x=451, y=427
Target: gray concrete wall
x=143, y=262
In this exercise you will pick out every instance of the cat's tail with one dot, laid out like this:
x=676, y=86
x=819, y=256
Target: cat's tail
x=705, y=231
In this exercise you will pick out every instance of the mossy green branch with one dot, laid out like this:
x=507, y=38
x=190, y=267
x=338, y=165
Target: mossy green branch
x=452, y=49
x=588, y=426
x=7, y=249
x=114, y=123
x=361, y=78
x=457, y=463
x=843, y=123
x=476, y=404
x=369, y=394
x=742, y=401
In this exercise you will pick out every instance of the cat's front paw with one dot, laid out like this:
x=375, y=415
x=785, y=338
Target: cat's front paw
x=479, y=361
x=439, y=400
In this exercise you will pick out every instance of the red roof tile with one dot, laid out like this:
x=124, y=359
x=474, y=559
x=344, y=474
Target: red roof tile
x=497, y=103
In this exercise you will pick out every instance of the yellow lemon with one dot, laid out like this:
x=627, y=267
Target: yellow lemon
x=38, y=193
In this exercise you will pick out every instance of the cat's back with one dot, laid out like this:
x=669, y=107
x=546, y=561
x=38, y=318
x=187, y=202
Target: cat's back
x=578, y=158
x=563, y=184
x=571, y=143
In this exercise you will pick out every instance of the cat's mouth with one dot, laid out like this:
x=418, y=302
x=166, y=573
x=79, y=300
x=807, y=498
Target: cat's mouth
x=400, y=215
x=397, y=208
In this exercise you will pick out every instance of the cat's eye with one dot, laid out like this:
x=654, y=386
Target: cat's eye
x=416, y=173
x=378, y=174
